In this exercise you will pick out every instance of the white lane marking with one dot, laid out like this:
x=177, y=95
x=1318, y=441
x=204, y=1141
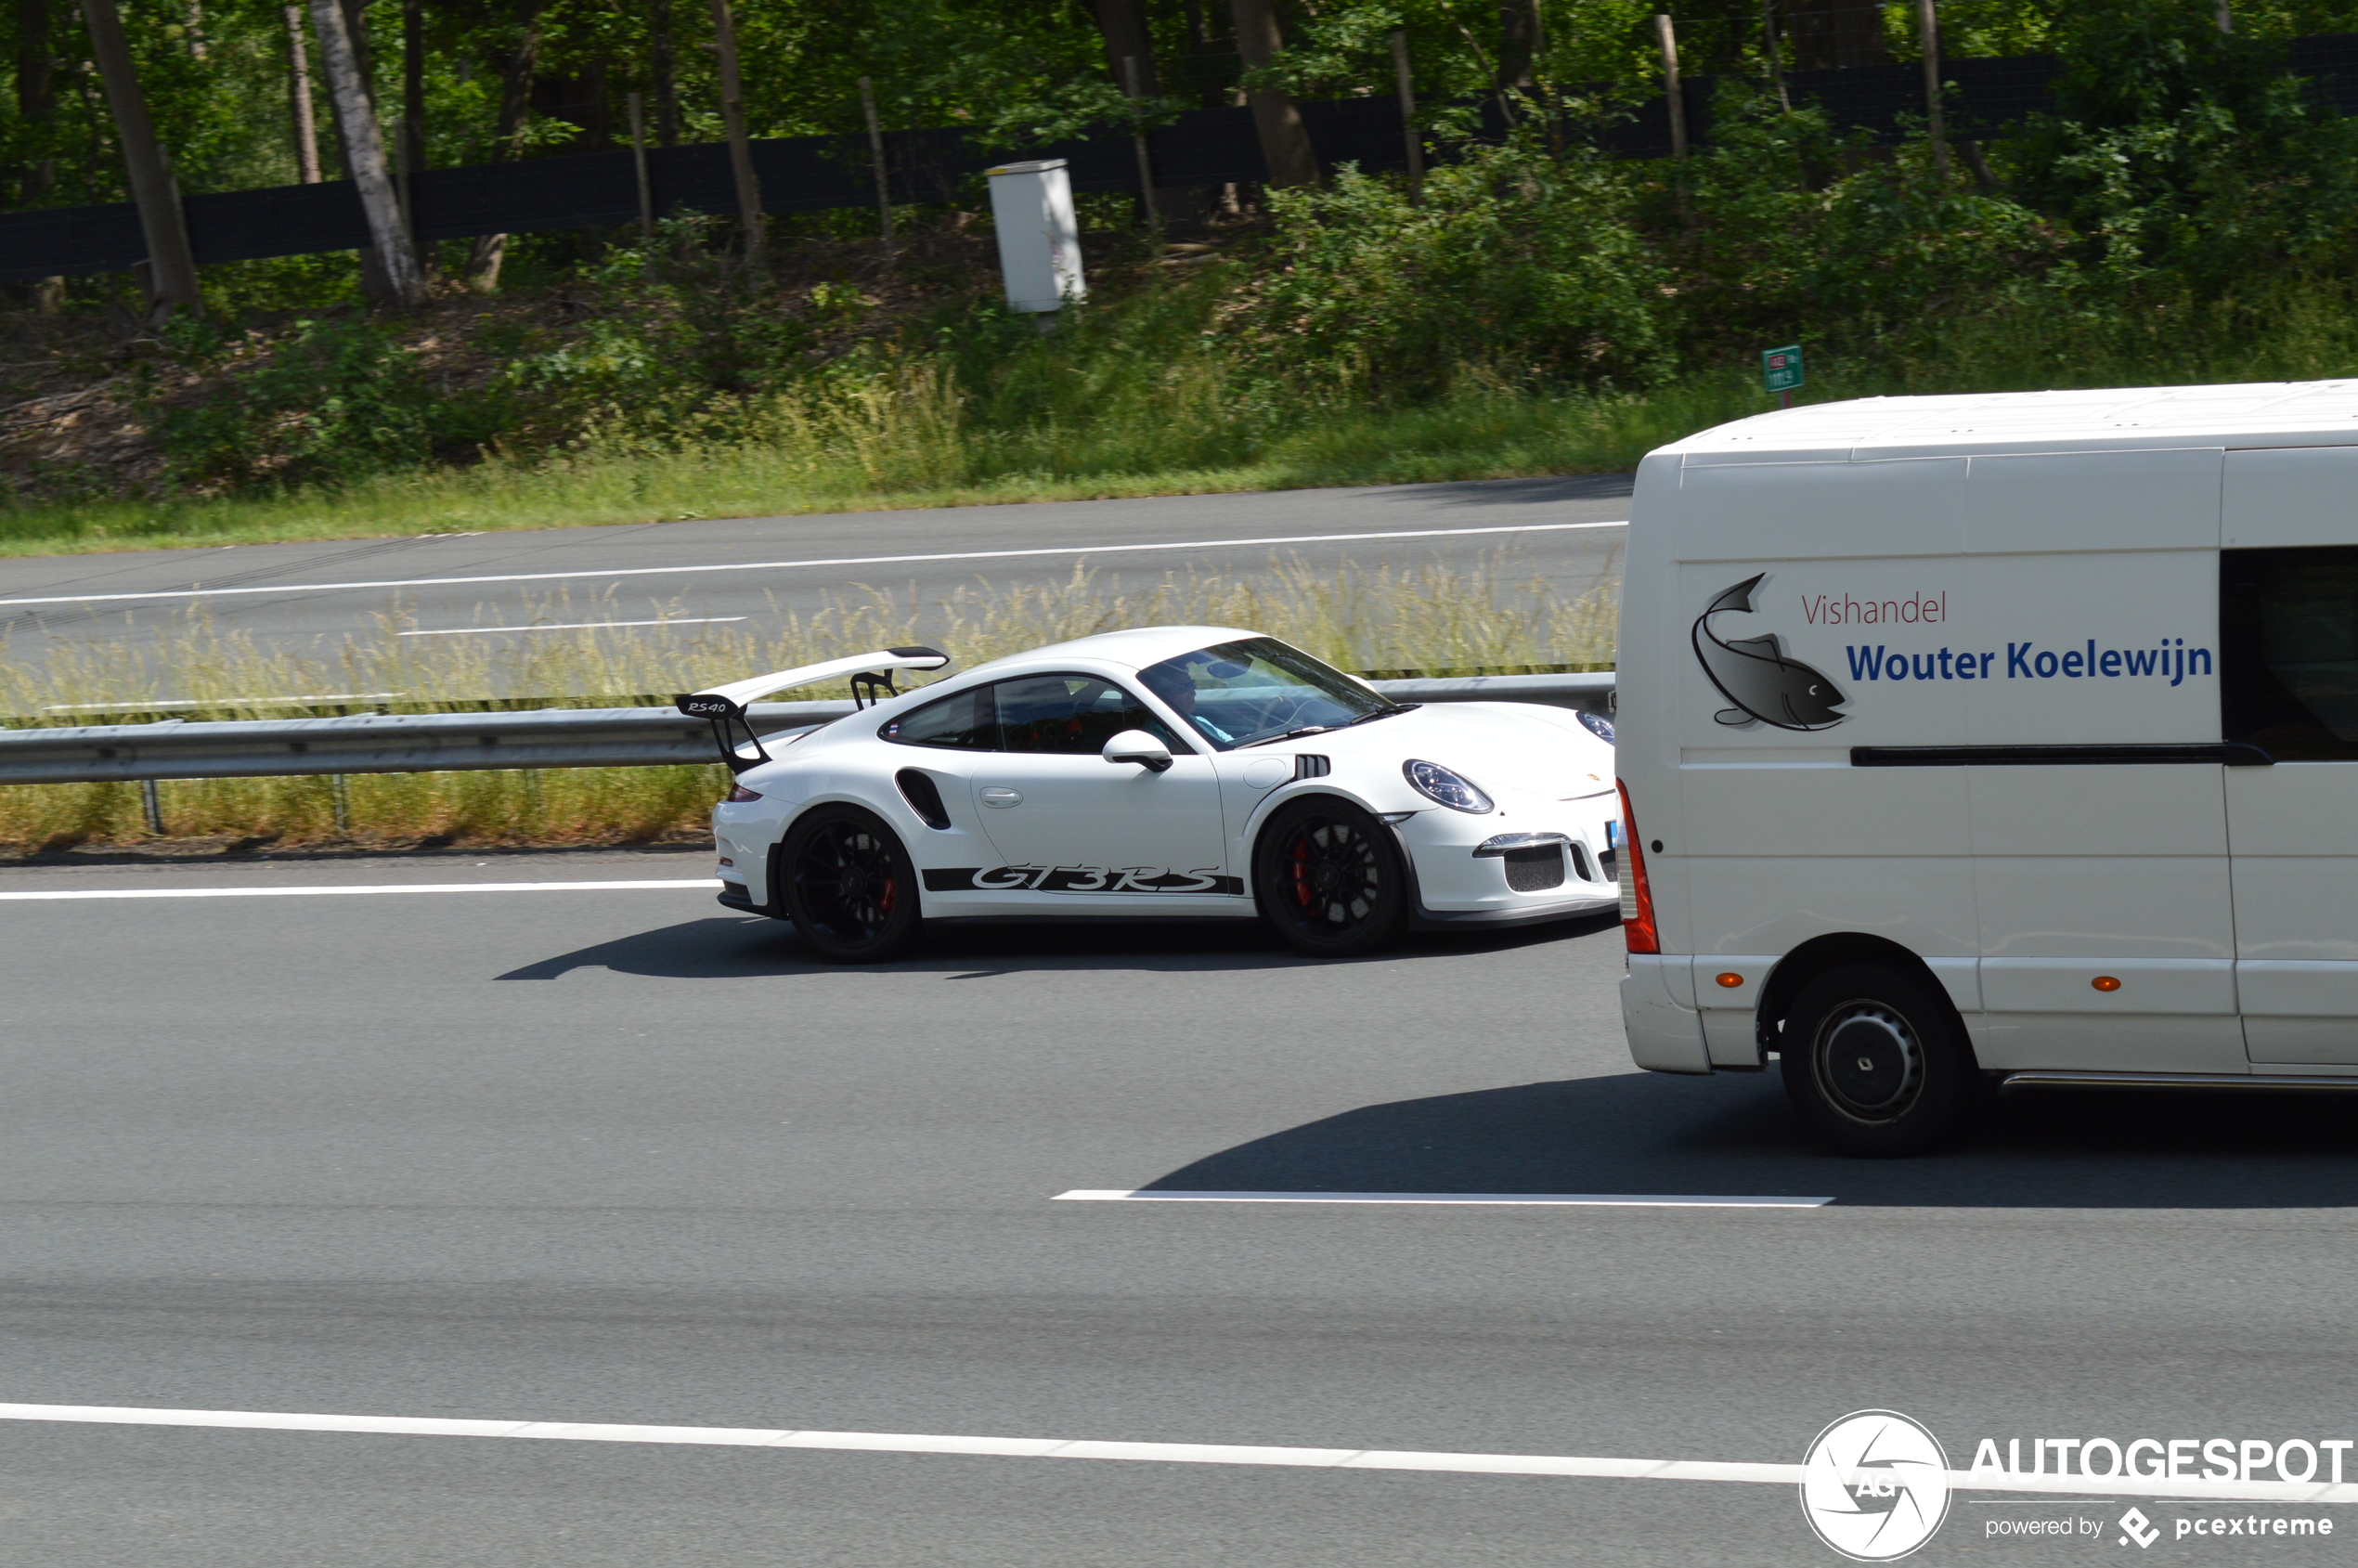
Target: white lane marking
x=788, y=565
x=571, y=625
x=1169, y=1453
x=359, y=887
x=220, y=702
x=1565, y=1200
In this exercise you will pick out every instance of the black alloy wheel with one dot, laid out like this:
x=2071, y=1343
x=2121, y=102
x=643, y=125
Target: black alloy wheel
x=849, y=886
x=1876, y=1061
x=1329, y=876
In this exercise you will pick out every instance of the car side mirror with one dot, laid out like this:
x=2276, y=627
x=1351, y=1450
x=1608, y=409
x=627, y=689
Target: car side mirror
x=1137, y=746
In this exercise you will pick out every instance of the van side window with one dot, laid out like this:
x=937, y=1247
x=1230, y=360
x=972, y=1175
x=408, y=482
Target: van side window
x=2289, y=652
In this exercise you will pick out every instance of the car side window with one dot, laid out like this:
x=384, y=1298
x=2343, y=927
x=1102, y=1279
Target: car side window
x=1073, y=715
x=966, y=721
x=2289, y=652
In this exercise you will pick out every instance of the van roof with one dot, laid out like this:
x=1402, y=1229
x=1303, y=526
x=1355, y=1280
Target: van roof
x=2254, y=414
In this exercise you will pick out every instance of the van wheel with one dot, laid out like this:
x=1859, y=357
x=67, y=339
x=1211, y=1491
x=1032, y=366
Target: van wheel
x=849, y=886
x=1876, y=1062
x=1328, y=878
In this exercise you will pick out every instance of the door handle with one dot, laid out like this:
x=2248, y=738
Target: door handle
x=1000, y=794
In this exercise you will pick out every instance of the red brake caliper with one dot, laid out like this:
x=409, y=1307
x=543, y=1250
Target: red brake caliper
x=1301, y=891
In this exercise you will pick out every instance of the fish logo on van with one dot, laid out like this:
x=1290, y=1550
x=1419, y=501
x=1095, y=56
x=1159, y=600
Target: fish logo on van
x=1756, y=673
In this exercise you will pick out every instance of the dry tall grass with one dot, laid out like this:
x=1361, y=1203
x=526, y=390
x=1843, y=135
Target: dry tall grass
x=1384, y=619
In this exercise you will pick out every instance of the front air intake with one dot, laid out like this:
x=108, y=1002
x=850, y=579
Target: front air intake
x=1536, y=869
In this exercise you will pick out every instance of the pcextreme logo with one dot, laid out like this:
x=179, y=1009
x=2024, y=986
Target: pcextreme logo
x=1874, y=1484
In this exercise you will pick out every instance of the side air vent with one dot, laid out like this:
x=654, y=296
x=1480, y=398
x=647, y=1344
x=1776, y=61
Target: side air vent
x=923, y=797
x=1308, y=767
x=1580, y=866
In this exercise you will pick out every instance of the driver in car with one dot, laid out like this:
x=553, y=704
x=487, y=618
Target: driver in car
x=1173, y=681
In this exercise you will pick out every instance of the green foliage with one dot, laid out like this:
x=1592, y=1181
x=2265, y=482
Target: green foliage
x=2186, y=158
x=332, y=401
x=1520, y=266
x=1776, y=243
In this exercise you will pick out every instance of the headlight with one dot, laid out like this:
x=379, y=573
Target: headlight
x=1437, y=783
x=1598, y=725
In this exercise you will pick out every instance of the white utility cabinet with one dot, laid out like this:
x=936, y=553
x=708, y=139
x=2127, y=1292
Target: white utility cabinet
x=1039, y=237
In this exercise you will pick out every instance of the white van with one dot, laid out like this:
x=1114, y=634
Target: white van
x=2007, y=738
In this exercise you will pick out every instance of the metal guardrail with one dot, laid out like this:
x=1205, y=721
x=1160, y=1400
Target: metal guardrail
x=593, y=737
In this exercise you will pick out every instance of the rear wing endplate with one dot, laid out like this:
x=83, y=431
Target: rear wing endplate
x=725, y=706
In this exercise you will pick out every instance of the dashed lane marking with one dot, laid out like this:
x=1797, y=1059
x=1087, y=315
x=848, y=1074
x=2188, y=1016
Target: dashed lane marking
x=790, y=565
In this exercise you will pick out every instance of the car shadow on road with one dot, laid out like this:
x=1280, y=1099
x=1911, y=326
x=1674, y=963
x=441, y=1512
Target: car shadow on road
x=740, y=947
x=1646, y=1134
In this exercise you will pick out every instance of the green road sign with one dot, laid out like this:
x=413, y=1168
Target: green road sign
x=1781, y=368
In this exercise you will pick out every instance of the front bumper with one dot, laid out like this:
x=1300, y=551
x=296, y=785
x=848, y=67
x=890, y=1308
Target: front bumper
x=1497, y=869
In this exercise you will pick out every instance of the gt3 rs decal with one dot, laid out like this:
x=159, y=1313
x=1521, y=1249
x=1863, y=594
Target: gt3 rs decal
x=1079, y=879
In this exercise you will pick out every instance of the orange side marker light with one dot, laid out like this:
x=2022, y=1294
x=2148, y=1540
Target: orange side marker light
x=2106, y=983
x=1731, y=979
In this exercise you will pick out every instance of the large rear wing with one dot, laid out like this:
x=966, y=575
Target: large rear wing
x=725, y=706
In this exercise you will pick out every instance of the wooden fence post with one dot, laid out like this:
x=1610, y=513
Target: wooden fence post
x=876, y=160
x=1668, y=36
x=733, y=116
x=1408, y=86
x=1138, y=141
x=1928, y=37
x=646, y=192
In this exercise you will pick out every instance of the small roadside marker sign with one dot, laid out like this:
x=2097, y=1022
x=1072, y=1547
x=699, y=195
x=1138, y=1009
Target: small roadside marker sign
x=1781, y=368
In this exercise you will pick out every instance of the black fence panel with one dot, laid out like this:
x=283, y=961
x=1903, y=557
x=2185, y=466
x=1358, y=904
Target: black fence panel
x=2330, y=62
x=814, y=173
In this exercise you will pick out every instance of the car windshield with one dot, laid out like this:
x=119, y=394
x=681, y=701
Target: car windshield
x=1257, y=689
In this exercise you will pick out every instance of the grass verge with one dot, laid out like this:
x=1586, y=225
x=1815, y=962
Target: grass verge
x=1433, y=617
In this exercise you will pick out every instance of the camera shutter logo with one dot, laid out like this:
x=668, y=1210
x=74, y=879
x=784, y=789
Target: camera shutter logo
x=1875, y=1485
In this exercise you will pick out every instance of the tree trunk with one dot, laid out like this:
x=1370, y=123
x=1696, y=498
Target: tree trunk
x=1285, y=141
x=665, y=74
x=1123, y=25
x=306, y=133
x=37, y=111
x=364, y=152
x=413, y=84
x=1834, y=35
x=732, y=116
x=36, y=101
x=172, y=265
x=413, y=122
x=515, y=97
x=376, y=283
x=1518, y=47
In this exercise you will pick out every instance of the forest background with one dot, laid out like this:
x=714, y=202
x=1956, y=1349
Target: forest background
x=2186, y=214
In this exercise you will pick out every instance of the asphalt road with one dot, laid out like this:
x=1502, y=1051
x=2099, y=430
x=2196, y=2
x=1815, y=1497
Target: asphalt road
x=750, y=570
x=623, y=1157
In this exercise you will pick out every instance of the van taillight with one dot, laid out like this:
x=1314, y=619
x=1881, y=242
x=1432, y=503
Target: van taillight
x=1637, y=899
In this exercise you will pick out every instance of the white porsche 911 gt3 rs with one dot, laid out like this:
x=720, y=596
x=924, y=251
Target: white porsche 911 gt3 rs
x=1169, y=772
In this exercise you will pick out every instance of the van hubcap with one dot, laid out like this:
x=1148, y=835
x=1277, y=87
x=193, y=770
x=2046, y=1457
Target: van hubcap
x=1870, y=1062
